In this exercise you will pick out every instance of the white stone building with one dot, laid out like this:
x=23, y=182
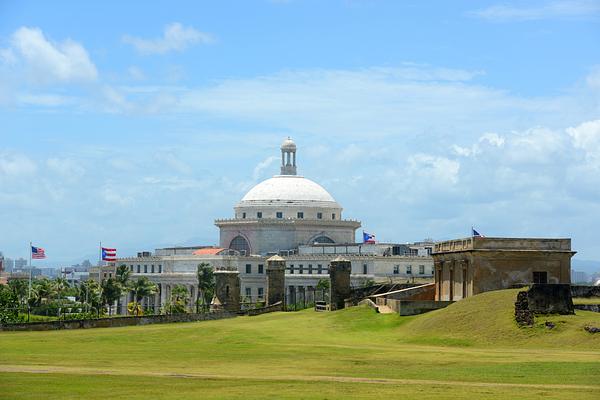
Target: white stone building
x=291, y=216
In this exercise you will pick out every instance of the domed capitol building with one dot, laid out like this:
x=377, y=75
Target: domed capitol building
x=286, y=215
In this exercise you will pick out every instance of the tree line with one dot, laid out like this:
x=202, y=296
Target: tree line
x=90, y=299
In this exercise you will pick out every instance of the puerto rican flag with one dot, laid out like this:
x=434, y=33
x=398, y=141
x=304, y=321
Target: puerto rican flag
x=37, y=253
x=368, y=237
x=109, y=254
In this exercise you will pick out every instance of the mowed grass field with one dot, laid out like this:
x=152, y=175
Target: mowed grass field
x=470, y=350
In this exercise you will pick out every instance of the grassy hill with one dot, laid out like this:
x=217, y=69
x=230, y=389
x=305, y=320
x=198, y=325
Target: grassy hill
x=472, y=349
x=488, y=319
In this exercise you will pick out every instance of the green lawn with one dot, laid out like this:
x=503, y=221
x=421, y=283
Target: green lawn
x=586, y=300
x=472, y=349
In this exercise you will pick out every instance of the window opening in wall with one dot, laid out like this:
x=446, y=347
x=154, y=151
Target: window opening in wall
x=300, y=214
x=540, y=277
x=152, y=268
x=333, y=216
x=248, y=268
x=145, y=269
x=365, y=269
x=138, y=268
x=310, y=269
x=421, y=269
x=261, y=268
x=319, y=215
x=279, y=214
x=319, y=269
x=240, y=244
x=227, y=291
x=396, y=269
x=131, y=268
x=261, y=293
x=409, y=269
x=243, y=215
x=301, y=269
x=291, y=268
x=259, y=214
x=323, y=239
x=248, y=292
x=159, y=269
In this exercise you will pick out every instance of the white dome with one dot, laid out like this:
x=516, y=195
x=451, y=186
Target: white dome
x=291, y=189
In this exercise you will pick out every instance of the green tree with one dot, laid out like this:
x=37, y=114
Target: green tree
x=206, y=285
x=9, y=303
x=122, y=276
x=180, y=297
x=43, y=291
x=141, y=288
x=20, y=288
x=323, y=285
x=60, y=285
x=111, y=292
x=90, y=294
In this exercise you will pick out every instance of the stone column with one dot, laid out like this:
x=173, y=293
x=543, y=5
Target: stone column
x=339, y=275
x=275, y=280
x=227, y=291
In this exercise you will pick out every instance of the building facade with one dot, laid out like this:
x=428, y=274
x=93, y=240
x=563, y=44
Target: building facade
x=466, y=267
x=290, y=216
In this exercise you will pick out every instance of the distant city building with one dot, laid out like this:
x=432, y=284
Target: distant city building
x=579, y=277
x=20, y=263
x=293, y=217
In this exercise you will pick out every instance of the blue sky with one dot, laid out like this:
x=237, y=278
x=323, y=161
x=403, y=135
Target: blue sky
x=138, y=124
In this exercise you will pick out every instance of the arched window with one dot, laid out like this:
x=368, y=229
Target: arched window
x=240, y=244
x=323, y=239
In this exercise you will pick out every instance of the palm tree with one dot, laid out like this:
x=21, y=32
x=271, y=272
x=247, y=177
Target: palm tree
x=141, y=288
x=90, y=293
x=111, y=292
x=206, y=284
x=122, y=276
x=60, y=285
x=19, y=287
x=180, y=297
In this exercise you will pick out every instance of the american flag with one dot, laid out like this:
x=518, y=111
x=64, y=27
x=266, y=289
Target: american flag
x=109, y=254
x=37, y=253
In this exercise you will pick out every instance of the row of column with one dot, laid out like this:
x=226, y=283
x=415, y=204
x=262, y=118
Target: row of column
x=453, y=280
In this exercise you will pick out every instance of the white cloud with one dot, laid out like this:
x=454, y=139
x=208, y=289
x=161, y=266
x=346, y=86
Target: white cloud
x=176, y=37
x=43, y=99
x=67, y=168
x=434, y=170
x=586, y=137
x=112, y=196
x=545, y=10
x=487, y=139
x=49, y=62
x=16, y=165
x=262, y=166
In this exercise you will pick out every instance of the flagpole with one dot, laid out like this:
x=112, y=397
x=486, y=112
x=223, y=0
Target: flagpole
x=30, y=268
x=100, y=255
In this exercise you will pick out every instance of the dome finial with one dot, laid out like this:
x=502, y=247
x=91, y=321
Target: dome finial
x=288, y=157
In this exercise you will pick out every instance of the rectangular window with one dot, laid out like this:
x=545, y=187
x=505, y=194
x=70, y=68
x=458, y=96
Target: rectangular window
x=421, y=269
x=319, y=215
x=365, y=269
x=333, y=216
x=138, y=269
x=540, y=277
x=243, y=215
x=291, y=268
x=248, y=292
x=319, y=269
x=159, y=269
x=248, y=268
x=279, y=214
x=131, y=268
x=300, y=214
x=145, y=269
x=396, y=269
x=152, y=268
x=261, y=269
x=409, y=269
x=301, y=269
x=261, y=293
x=310, y=268
x=259, y=214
